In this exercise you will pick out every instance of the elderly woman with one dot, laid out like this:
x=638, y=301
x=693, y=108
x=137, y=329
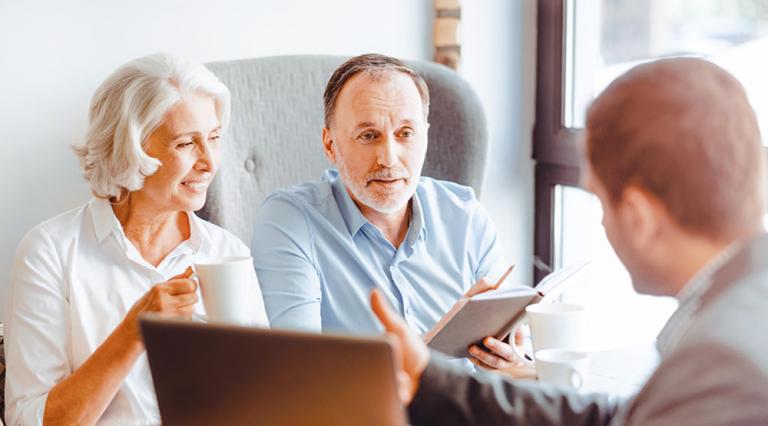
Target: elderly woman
x=80, y=280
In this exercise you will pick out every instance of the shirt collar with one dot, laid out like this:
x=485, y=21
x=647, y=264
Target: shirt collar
x=417, y=228
x=351, y=214
x=105, y=223
x=354, y=218
x=689, y=298
x=198, y=234
x=104, y=220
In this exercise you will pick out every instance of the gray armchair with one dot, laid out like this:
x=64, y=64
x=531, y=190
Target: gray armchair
x=274, y=137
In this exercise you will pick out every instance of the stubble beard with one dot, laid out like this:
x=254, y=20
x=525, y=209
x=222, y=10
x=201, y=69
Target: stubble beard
x=385, y=202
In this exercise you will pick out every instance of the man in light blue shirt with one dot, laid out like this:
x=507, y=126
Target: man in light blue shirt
x=320, y=247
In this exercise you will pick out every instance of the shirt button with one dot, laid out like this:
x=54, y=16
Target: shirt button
x=409, y=310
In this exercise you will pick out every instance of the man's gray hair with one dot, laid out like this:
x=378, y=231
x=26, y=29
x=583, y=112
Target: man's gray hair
x=372, y=64
x=131, y=104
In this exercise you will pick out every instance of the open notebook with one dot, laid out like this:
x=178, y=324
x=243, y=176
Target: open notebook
x=494, y=313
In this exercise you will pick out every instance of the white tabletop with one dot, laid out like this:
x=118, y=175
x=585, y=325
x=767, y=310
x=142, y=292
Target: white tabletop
x=622, y=372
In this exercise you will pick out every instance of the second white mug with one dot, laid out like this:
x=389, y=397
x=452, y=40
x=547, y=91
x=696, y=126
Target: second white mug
x=562, y=367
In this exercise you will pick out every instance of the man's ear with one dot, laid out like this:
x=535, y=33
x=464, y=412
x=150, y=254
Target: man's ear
x=328, y=147
x=641, y=214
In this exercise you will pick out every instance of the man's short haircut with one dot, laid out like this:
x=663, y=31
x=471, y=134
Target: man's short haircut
x=131, y=104
x=374, y=65
x=683, y=130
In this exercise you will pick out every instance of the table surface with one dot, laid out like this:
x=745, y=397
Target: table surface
x=622, y=372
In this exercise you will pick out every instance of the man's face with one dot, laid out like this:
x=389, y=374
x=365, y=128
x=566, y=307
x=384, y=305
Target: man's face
x=378, y=140
x=628, y=232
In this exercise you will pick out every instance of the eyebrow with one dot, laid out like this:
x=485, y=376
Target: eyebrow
x=406, y=122
x=181, y=135
x=364, y=125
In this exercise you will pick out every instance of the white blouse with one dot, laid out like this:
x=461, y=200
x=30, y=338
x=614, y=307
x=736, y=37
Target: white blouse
x=74, y=279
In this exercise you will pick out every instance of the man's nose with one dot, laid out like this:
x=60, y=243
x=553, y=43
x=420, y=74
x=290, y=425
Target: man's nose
x=388, y=152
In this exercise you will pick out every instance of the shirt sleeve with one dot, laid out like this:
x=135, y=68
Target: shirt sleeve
x=449, y=396
x=37, y=340
x=283, y=259
x=258, y=311
x=486, y=252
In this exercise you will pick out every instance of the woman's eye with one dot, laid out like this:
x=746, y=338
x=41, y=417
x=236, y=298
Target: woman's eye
x=184, y=145
x=214, y=138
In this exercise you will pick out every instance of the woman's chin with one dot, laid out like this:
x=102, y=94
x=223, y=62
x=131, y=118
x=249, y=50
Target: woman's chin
x=192, y=204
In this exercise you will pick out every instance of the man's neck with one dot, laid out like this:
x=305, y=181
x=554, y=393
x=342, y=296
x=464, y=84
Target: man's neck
x=695, y=253
x=394, y=226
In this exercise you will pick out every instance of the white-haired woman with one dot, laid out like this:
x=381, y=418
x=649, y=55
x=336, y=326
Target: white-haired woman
x=80, y=280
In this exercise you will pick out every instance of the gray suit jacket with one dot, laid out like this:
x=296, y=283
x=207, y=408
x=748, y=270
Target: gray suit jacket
x=716, y=375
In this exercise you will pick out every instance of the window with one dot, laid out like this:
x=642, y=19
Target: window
x=603, y=39
x=582, y=46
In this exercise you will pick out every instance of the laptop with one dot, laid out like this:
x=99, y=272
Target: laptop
x=207, y=374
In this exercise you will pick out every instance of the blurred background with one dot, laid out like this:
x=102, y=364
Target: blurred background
x=536, y=66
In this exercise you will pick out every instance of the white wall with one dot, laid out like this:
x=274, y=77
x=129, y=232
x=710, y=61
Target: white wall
x=499, y=61
x=53, y=54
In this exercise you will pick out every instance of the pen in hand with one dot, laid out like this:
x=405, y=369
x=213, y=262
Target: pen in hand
x=503, y=277
x=483, y=286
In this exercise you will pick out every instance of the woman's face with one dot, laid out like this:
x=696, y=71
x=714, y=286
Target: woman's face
x=187, y=145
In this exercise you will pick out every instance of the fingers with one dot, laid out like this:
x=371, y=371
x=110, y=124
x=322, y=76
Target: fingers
x=480, y=286
x=186, y=274
x=519, y=337
x=499, y=348
x=404, y=386
x=483, y=358
x=389, y=319
x=177, y=286
x=185, y=300
x=489, y=360
x=403, y=379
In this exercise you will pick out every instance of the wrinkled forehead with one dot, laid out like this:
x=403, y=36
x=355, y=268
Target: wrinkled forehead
x=388, y=92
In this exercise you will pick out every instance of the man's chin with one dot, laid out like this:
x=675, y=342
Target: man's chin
x=648, y=288
x=386, y=204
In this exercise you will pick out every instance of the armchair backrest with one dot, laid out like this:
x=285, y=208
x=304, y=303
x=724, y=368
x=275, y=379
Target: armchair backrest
x=274, y=136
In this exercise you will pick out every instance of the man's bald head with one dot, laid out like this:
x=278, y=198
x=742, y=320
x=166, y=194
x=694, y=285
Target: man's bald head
x=683, y=130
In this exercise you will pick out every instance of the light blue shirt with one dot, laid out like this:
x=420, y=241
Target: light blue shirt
x=318, y=258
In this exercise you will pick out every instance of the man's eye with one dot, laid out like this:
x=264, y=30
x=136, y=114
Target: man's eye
x=367, y=136
x=407, y=133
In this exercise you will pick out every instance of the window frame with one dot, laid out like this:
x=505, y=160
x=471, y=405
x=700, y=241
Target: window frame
x=555, y=150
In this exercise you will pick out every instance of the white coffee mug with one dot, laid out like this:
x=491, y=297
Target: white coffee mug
x=554, y=325
x=225, y=285
x=562, y=367
x=557, y=325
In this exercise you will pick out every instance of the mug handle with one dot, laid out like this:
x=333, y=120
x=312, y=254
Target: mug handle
x=522, y=357
x=576, y=379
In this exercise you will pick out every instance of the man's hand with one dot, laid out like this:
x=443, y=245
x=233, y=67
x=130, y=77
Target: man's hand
x=411, y=353
x=499, y=355
x=481, y=286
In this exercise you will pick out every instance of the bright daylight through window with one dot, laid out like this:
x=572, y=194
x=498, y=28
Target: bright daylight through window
x=603, y=39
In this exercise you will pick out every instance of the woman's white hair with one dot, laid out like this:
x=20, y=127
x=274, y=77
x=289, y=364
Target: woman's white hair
x=128, y=107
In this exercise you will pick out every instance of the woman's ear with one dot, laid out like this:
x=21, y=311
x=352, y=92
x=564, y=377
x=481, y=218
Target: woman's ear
x=328, y=146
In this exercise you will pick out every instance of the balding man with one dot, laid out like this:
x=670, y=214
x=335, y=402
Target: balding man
x=373, y=221
x=673, y=153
